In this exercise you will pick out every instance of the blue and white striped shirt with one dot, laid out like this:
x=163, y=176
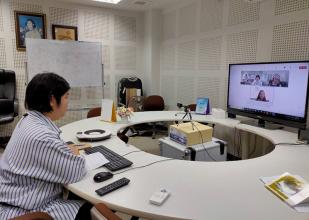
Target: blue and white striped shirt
x=34, y=166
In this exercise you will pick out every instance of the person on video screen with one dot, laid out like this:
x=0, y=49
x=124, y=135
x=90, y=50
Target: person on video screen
x=261, y=96
x=275, y=81
x=244, y=79
x=257, y=81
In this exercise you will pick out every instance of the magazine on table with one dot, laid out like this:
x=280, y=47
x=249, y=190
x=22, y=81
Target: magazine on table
x=292, y=189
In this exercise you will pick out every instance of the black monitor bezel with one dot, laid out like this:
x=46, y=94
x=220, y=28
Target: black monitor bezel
x=284, y=120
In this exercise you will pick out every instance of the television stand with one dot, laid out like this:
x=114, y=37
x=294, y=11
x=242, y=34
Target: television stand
x=262, y=124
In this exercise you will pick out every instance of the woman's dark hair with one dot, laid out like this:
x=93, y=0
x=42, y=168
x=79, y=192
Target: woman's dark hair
x=40, y=90
x=32, y=21
x=258, y=98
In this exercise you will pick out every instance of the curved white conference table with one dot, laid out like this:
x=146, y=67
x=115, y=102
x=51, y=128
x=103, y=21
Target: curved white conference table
x=199, y=190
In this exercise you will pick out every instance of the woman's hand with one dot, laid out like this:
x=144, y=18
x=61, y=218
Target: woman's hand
x=74, y=149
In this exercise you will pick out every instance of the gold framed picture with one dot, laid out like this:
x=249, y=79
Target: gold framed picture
x=29, y=25
x=62, y=32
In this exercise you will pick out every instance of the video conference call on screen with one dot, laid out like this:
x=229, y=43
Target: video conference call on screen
x=272, y=89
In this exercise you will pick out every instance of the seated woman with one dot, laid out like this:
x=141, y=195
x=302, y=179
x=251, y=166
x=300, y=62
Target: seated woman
x=37, y=162
x=275, y=81
x=261, y=96
x=257, y=81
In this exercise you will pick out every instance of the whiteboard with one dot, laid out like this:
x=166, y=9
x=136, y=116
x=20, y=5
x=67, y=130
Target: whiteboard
x=80, y=63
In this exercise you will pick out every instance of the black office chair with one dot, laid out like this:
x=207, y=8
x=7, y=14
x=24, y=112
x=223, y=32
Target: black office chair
x=152, y=103
x=8, y=101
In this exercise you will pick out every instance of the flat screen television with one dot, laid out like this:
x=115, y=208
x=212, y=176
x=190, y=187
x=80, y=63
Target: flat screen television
x=275, y=92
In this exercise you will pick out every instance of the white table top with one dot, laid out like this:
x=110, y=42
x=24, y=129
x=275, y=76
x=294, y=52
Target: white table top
x=199, y=190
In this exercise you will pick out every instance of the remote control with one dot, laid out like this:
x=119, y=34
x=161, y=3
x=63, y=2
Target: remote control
x=113, y=186
x=159, y=197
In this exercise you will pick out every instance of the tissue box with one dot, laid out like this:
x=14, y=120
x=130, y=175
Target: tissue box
x=190, y=133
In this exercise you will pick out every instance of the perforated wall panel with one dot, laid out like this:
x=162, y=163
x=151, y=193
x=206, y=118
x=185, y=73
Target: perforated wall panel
x=94, y=92
x=243, y=12
x=210, y=87
x=169, y=25
x=241, y=47
x=96, y=25
x=20, y=89
x=168, y=57
x=287, y=6
x=291, y=41
x=106, y=56
x=168, y=91
x=1, y=16
x=125, y=28
x=2, y=54
x=210, y=53
x=22, y=6
x=186, y=55
x=211, y=15
x=75, y=93
x=187, y=20
x=19, y=57
x=63, y=16
x=69, y=117
x=125, y=57
x=185, y=90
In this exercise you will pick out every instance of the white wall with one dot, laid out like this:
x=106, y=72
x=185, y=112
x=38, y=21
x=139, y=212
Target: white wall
x=201, y=37
x=120, y=32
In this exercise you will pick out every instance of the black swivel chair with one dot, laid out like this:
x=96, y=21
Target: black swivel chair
x=152, y=103
x=8, y=101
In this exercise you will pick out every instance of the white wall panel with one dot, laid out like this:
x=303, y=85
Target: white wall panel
x=96, y=24
x=287, y=6
x=125, y=57
x=168, y=91
x=1, y=16
x=185, y=90
x=19, y=57
x=168, y=57
x=210, y=53
x=125, y=28
x=186, y=56
x=290, y=41
x=169, y=25
x=241, y=12
x=187, y=20
x=210, y=87
x=211, y=17
x=2, y=53
x=63, y=16
x=241, y=47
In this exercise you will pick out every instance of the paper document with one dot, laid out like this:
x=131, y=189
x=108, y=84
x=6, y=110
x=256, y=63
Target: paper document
x=95, y=160
x=292, y=189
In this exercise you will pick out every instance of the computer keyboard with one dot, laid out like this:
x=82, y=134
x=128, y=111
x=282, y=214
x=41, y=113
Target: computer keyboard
x=116, y=162
x=113, y=186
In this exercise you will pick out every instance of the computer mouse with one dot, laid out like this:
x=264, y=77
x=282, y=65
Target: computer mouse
x=102, y=176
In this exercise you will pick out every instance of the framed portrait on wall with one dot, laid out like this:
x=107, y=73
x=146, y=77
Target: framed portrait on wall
x=62, y=32
x=29, y=25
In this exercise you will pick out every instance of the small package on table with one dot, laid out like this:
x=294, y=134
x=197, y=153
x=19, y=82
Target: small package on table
x=190, y=133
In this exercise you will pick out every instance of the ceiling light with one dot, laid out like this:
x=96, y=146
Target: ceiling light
x=108, y=1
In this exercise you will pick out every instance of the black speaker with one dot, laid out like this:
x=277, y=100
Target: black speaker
x=231, y=115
